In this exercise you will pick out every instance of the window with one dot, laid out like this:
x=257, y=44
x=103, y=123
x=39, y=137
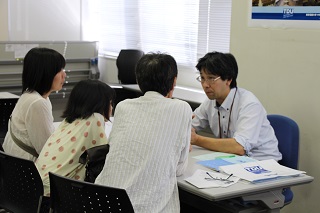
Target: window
x=186, y=29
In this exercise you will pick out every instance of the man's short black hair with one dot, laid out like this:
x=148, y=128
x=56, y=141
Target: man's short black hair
x=156, y=72
x=220, y=64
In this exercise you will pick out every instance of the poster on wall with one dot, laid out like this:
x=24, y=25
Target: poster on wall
x=285, y=13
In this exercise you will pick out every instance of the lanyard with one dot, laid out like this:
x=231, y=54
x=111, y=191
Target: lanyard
x=220, y=132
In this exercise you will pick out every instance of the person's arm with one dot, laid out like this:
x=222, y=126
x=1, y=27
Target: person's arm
x=228, y=145
x=39, y=123
x=201, y=115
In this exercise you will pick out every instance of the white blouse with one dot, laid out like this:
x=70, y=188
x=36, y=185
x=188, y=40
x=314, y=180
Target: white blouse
x=31, y=122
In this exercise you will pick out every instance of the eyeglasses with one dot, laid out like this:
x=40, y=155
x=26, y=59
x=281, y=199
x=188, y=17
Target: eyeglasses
x=226, y=180
x=209, y=80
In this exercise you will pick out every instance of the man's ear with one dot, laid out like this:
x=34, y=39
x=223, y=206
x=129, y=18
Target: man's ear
x=174, y=83
x=169, y=95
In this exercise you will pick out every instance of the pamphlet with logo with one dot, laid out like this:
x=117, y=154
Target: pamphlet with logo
x=259, y=170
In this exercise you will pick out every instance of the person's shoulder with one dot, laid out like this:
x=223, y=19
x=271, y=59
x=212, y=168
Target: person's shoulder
x=35, y=100
x=178, y=101
x=31, y=96
x=246, y=93
x=247, y=97
x=181, y=104
x=97, y=117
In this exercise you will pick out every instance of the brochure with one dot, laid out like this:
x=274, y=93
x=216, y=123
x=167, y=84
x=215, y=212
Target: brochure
x=259, y=170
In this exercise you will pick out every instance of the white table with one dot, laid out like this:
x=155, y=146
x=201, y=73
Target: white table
x=268, y=192
x=7, y=95
x=7, y=104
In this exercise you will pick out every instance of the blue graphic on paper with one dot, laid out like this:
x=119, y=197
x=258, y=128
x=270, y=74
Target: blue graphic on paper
x=256, y=169
x=214, y=164
x=286, y=13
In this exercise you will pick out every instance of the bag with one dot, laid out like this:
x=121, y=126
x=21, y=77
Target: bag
x=94, y=159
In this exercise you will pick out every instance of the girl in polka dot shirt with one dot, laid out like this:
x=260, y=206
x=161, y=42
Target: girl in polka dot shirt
x=89, y=106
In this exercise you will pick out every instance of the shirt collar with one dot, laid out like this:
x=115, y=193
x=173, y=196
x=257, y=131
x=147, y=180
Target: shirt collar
x=228, y=101
x=153, y=94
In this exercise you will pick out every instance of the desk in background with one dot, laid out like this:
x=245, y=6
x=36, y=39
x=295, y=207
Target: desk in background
x=191, y=95
x=268, y=193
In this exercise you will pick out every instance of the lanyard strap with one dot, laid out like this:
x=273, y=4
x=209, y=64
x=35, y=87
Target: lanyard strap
x=220, y=132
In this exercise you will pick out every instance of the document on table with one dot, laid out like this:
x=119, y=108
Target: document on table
x=205, y=179
x=224, y=161
x=260, y=170
x=213, y=155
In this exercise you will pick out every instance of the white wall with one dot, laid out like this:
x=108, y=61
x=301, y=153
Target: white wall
x=282, y=67
x=3, y=20
x=50, y=20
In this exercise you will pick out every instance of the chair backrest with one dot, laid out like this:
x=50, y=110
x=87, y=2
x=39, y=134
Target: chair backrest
x=287, y=133
x=126, y=64
x=69, y=195
x=21, y=187
x=6, y=107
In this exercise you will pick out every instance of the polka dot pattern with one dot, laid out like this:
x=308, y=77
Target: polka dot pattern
x=61, y=153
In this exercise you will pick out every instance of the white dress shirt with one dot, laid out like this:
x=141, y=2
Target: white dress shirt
x=248, y=124
x=149, y=146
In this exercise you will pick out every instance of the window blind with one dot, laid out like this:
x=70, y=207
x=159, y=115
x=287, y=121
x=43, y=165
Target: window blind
x=186, y=29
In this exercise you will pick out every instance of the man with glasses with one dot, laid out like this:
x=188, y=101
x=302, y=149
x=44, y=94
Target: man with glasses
x=236, y=117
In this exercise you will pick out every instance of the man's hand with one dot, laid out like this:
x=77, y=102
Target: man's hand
x=194, y=136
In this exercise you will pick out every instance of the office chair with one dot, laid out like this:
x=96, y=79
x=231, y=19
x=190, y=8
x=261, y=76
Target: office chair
x=287, y=133
x=126, y=64
x=69, y=195
x=6, y=107
x=21, y=188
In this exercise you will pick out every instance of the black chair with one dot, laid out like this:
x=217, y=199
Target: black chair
x=287, y=133
x=21, y=188
x=69, y=195
x=6, y=107
x=126, y=64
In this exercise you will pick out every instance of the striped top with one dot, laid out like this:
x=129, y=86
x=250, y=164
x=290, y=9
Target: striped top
x=149, y=146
